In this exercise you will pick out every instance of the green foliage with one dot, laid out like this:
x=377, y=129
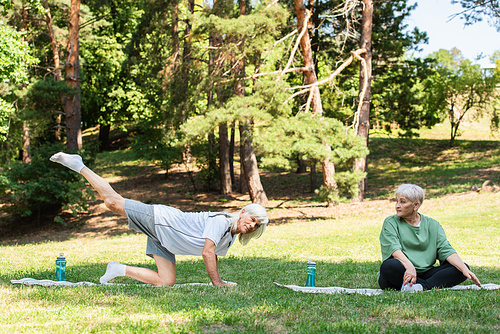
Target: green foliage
x=103, y=88
x=15, y=58
x=32, y=187
x=349, y=180
x=400, y=98
x=38, y=105
x=154, y=145
x=205, y=152
x=279, y=133
x=36, y=4
x=5, y=110
x=328, y=194
x=459, y=88
x=346, y=182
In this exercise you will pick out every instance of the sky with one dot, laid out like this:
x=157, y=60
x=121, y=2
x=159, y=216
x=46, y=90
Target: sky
x=433, y=17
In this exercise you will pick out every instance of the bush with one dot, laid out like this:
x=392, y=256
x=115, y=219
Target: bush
x=346, y=181
x=30, y=188
x=153, y=145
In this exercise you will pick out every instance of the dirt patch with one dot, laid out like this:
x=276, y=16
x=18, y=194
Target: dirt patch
x=290, y=200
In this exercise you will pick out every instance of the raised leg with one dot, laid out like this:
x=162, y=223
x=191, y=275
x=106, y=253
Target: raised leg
x=114, y=201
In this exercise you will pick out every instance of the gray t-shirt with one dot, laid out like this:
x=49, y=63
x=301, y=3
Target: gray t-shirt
x=184, y=233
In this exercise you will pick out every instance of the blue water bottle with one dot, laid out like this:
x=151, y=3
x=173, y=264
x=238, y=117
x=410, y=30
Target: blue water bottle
x=311, y=273
x=61, y=267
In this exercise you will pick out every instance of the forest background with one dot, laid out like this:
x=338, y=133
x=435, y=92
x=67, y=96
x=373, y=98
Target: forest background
x=295, y=85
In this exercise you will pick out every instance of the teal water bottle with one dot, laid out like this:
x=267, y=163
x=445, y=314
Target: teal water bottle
x=61, y=267
x=311, y=273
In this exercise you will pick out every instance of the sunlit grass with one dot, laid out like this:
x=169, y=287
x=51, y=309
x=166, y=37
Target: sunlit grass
x=347, y=254
x=346, y=250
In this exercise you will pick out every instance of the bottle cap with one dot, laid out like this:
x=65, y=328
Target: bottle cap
x=61, y=256
x=310, y=263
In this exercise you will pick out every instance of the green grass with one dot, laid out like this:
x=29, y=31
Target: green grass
x=346, y=250
x=432, y=164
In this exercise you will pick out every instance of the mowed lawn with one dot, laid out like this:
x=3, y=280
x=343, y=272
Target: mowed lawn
x=346, y=250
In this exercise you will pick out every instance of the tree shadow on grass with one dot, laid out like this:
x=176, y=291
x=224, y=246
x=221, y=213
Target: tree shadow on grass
x=256, y=304
x=258, y=272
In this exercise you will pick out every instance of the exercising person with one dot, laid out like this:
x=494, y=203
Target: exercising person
x=171, y=231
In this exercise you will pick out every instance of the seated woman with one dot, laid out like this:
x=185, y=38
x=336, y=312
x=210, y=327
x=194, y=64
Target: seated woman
x=411, y=243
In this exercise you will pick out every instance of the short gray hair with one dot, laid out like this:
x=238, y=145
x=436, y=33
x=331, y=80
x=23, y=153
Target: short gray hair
x=257, y=211
x=411, y=191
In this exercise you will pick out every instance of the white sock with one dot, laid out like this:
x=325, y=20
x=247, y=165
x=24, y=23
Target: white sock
x=72, y=161
x=414, y=288
x=113, y=270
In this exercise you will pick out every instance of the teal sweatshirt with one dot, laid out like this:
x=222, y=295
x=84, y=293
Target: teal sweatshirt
x=422, y=245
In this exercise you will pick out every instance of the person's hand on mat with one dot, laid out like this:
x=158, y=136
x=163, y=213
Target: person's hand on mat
x=225, y=283
x=470, y=275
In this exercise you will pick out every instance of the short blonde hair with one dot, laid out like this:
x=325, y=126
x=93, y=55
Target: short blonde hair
x=257, y=211
x=411, y=191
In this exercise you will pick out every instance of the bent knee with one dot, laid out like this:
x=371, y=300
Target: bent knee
x=390, y=264
x=165, y=282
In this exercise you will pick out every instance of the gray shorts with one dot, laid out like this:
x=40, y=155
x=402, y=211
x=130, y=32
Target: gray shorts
x=141, y=218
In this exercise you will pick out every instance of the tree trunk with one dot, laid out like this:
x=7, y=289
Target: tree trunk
x=231, y=154
x=104, y=137
x=72, y=105
x=186, y=64
x=57, y=68
x=361, y=164
x=454, y=130
x=175, y=29
x=186, y=53
x=26, y=156
x=212, y=162
x=225, y=172
x=247, y=154
x=243, y=180
x=305, y=45
x=249, y=161
x=313, y=176
x=25, y=153
x=53, y=42
x=310, y=78
x=302, y=165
